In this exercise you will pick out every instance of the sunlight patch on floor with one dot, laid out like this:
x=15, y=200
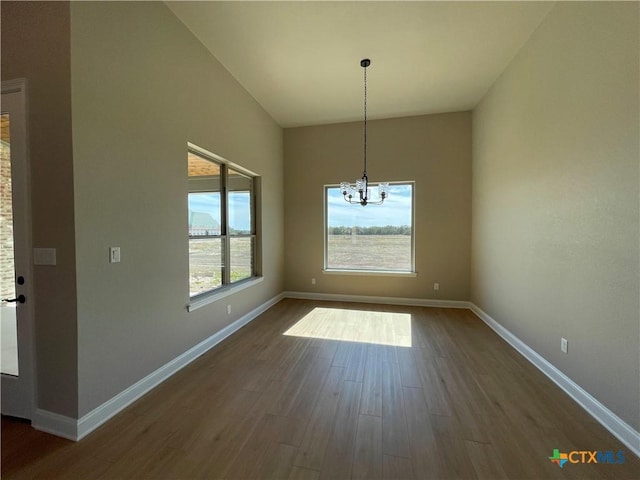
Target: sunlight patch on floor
x=383, y=328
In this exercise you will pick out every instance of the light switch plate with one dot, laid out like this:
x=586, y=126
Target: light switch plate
x=44, y=256
x=114, y=254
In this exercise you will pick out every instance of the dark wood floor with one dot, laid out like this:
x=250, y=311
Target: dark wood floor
x=457, y=403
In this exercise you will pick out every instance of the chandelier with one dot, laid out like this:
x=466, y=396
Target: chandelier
x=360, y=193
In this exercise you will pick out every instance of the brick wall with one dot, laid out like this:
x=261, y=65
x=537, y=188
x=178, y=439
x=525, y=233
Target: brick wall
x=7, y=271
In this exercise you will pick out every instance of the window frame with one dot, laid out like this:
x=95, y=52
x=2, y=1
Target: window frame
x=380, y=272
x=227, y=287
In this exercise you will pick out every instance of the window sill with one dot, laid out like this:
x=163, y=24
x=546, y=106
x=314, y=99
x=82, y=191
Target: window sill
x=371, y=273
x=210, y=297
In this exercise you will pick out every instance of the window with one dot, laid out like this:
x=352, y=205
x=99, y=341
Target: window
x=222, y=232
x=375, y=238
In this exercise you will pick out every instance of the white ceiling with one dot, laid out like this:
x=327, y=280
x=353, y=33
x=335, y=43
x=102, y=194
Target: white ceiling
x=301, y=60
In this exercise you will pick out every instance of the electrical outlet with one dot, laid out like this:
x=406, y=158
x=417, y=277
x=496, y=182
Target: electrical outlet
x=564, y=345
x=436, y=286
x=228, y=309
x=313, y=281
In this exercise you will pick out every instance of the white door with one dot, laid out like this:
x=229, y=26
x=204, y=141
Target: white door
x=16, y=279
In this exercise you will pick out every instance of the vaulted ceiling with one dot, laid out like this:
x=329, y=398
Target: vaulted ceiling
x=301, y=60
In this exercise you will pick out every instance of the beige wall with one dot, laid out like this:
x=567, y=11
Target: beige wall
x=142, y=87
x=555, y=199
x=35, y=46
x=432, y=150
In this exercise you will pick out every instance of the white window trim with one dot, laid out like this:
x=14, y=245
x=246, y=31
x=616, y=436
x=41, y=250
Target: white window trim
x=389, y=273
x=211, y=296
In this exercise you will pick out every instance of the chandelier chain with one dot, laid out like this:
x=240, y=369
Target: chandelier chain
x=359, y=193
x=365, y=120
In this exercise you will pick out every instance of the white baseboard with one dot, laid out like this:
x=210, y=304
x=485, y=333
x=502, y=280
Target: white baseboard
x=59, y=425
x=77, y=429
x=609, y=420
x=418, y=302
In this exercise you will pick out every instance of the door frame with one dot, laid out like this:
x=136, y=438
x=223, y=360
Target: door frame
x=19, y=393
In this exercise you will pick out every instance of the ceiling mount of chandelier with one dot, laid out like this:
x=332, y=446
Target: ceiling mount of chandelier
x=360, y=193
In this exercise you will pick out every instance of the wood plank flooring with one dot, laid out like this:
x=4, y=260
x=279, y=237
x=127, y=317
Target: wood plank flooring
x=413, y=393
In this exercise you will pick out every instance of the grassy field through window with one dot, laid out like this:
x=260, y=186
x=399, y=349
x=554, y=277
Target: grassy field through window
x=369, y=252
x=205, y=262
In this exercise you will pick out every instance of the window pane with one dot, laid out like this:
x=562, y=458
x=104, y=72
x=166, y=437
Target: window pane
x=240, y=214
x=201, y=167
x=241, y=258
x=238, y=181
x=375, y=237
x=205, y=264
x=204, y=213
